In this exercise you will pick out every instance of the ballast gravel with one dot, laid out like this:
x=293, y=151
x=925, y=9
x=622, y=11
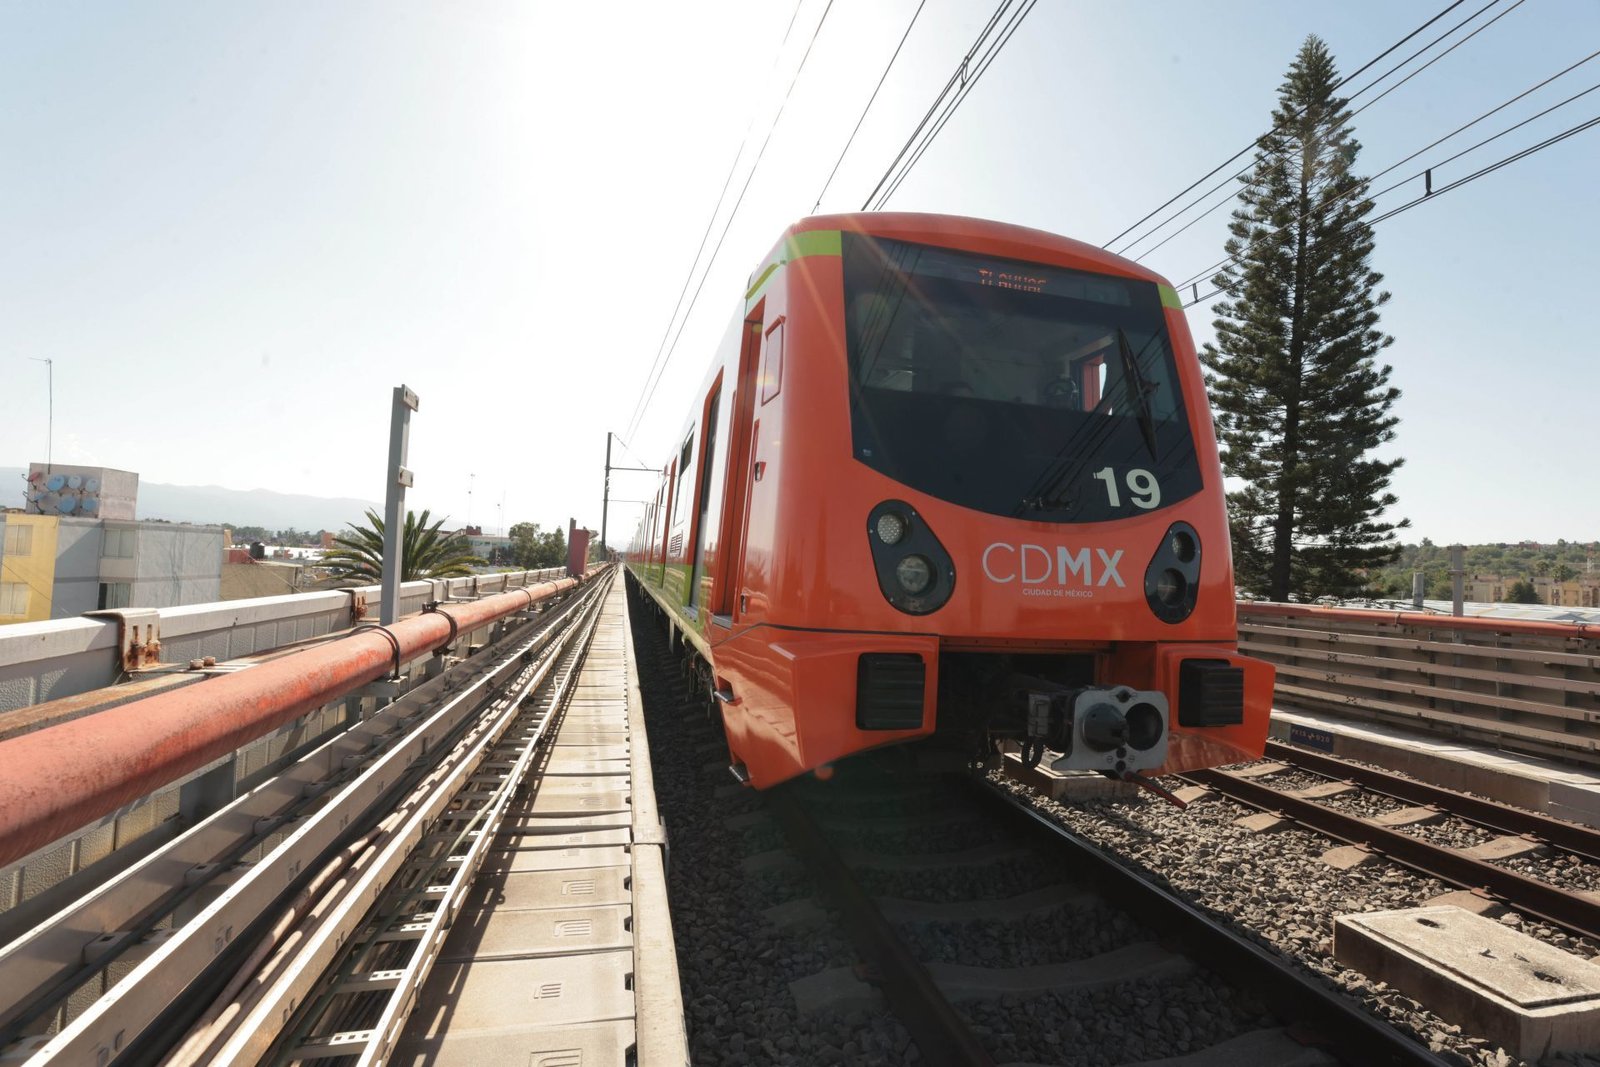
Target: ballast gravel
x=734, y=965
x=1276, y=889
x=1063, y=935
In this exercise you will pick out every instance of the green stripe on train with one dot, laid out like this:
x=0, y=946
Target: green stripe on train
x=796, y=246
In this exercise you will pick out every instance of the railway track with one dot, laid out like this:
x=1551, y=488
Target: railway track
x=920, y=992
x=251, y=936
x=940, y=895
x=1397, y=833
x=958, y=927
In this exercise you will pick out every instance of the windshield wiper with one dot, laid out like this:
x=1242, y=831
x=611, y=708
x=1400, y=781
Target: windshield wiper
x=1142, y=388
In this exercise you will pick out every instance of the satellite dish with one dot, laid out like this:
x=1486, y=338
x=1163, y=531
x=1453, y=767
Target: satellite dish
x=90, y=505
x=68, y=505
x=49, y=502
x=74, y=481
x=91, y=485
x=55, y=483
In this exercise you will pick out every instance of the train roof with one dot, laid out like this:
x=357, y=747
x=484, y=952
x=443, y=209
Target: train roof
x=984, y=236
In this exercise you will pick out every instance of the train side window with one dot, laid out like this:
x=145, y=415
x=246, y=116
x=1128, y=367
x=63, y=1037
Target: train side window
x=678, y=510
x=772, y=362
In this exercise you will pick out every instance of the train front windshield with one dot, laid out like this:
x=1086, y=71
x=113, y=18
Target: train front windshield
x=1012, y=388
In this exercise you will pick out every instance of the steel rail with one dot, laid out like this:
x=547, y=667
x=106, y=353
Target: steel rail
x=941, y=1034
x=152, y=992
x=473, y=841
x=1569, y=910
x=1292, y=993
x=63, y=777
x=44, y=959
x=1575, y=838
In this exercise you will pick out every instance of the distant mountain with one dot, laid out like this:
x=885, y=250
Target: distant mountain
x=215, y=505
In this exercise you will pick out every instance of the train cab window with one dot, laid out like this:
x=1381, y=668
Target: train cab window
x=1013, y=388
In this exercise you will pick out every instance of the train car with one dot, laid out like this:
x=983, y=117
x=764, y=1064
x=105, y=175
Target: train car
x=954, y=482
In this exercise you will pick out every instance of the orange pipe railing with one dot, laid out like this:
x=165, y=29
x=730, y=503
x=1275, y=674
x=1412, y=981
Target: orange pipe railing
x=55, y=780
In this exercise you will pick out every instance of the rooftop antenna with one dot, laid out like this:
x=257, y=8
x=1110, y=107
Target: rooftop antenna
x=50, y=409
x=470, y=477
x=502, y=507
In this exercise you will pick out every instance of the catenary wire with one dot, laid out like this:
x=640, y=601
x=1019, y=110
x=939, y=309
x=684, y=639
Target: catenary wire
x=1224, y=261
x=984, y=63
x=870, y=101
x=648, y=390
x=1158, y=227
x=1474, y=176
x=1229, y=197
x=1436, y=58
x=710, y=222
x=1251, y=146
x=960, y=70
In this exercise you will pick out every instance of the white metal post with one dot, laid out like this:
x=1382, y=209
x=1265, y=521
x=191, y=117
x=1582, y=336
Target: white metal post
x=394, y=507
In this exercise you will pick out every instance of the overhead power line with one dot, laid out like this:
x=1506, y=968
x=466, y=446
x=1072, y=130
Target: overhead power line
x=984, y=63
x=1438, y=57
x=1224, y=261
x=1358, y=93
x=1548, y=142
x=870, y=101
x=710, y=222
x=952, y=86
x=1228, y=198
x=647, y=391
x=1220, y=167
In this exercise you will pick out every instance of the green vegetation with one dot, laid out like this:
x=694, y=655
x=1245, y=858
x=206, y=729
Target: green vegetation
x=1301, y=401
x=244, y=535
x=1562, y=561
x=427, y=551
x=1522, y=593
x=534, y=549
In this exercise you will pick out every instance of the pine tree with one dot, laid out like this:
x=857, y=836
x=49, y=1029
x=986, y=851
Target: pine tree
x=1301, y=400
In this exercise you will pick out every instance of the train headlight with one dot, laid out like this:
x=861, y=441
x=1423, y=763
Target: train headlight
x=891, y=527
x=914, y=574
x=1170, y=587
x=1172, y=578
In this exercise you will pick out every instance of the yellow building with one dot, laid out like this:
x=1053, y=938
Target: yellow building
x=1580, y=592
x=27, y=566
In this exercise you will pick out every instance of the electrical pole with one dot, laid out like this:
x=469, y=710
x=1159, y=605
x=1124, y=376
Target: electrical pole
x=399, y=480
x=50, y=412
x=1458, y=573
x=605, y=499
x=605, y=496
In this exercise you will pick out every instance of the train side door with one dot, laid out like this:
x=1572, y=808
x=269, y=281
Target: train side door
x=736, y=490
x=708, y=459
x=666, y=520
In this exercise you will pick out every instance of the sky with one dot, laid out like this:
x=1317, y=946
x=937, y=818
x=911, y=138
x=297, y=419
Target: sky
x=235, y=228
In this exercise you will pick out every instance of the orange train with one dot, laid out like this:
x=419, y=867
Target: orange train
x=954, y=482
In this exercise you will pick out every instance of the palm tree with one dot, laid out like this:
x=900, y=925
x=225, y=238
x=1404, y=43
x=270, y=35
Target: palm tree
x=425, y=553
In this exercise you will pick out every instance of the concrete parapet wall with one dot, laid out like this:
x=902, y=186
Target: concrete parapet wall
x=42, y=661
